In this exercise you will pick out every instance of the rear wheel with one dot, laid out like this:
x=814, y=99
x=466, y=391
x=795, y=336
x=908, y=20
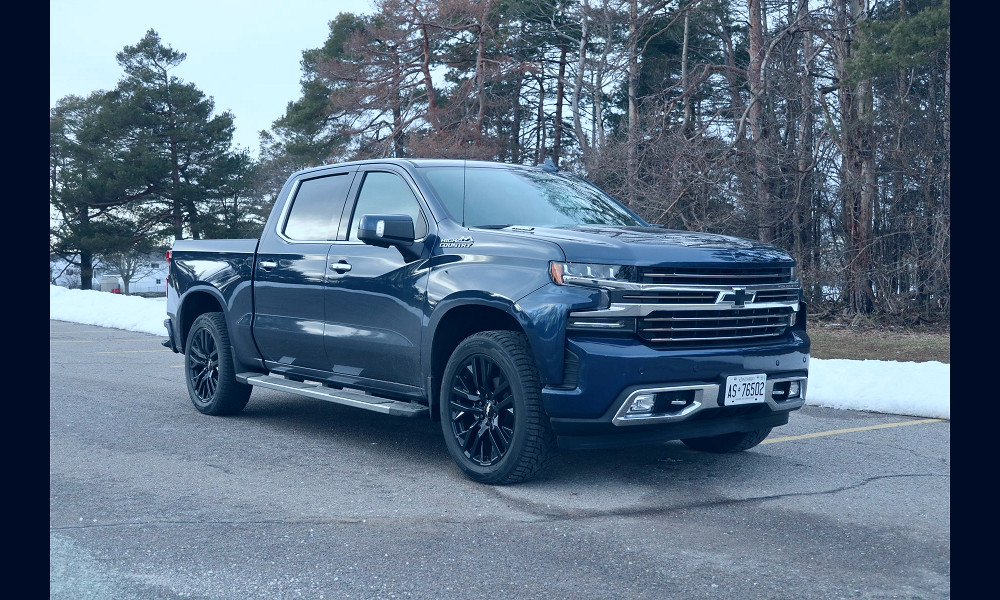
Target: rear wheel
x=728, y=442
x=209, y=370
x=490, y=408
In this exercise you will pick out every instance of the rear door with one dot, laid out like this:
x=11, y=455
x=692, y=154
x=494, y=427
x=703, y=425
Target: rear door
x=375, y=300
x=291, y=273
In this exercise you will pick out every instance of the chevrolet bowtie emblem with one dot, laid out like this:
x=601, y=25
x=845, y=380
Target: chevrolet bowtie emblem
x=739, y=297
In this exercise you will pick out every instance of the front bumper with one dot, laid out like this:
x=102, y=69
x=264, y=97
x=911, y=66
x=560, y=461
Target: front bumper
x=588, y=412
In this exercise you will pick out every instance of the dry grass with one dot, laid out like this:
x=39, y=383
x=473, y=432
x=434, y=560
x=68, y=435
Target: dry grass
x=880, y=344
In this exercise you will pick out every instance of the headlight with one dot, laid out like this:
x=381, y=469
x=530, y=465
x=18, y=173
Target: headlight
x=793, y=275
x=588, y=274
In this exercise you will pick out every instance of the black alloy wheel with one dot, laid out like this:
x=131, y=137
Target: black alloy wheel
x=490, y=408
x=203, y=365
x=209, y=368
x=481, y=406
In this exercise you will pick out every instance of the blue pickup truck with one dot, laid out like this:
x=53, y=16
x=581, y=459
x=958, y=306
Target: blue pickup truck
x=520, y=307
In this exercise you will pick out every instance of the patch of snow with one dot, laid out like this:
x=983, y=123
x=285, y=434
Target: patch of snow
x=108, y=310
x=905, y=388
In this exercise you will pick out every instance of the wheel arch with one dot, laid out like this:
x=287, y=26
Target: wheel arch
x=456, y=322
x=195, y=302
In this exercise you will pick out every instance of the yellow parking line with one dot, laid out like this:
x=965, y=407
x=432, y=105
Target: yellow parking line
x=806, y=436
x=131, y=351
x=116, y=340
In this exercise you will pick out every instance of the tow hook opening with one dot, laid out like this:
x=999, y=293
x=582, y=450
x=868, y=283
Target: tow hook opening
x=674, y=401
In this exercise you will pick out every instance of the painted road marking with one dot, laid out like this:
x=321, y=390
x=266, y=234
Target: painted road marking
x=807, y=436
x=102, y=341
x=132, y=351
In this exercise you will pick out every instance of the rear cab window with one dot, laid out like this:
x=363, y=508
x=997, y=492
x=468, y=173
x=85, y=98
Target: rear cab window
x=316, y=208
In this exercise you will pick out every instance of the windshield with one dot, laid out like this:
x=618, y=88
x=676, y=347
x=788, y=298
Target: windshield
x=485, y=197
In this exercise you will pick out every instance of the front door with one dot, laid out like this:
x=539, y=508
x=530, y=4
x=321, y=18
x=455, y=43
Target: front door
x=375, y=299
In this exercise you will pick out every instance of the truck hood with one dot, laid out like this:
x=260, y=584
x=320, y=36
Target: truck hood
x=652, y=246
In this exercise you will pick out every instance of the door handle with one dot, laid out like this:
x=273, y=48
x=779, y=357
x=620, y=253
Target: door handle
x=267, y=265
x=341, y=267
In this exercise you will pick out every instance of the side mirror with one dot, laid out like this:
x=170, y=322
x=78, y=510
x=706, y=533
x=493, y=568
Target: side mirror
x=386, y=230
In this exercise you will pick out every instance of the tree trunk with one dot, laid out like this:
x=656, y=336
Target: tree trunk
x=600, y=139
x=744, y=172
x=425, y=68
x=686, y=123
x=193, y=219
x=632, y=140
x=86, y=256
x=944, y=225
x=864, y=291
x=758, y=132
x=86, y=270
x=560, y=97
x=804, y=142
x=177, y=216
x=175, y=173
x=397, y=109
x=856, y=177
x=481, y=72
x=515, y=130
x=581, y=137
x=540, y=129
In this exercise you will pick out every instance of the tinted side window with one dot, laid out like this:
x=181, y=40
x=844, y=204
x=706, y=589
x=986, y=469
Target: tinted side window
x=387, y=194
x=316, y=208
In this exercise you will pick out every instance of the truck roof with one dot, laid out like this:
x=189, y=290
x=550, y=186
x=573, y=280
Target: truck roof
x=420, y=163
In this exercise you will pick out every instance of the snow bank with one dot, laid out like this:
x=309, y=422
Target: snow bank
x=108, y=310
x=905, y=388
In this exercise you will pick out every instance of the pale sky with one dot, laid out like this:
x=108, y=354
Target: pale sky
x=245, y=54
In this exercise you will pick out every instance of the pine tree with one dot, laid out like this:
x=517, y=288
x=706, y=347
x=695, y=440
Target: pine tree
x=95, y=174
x=192, y=146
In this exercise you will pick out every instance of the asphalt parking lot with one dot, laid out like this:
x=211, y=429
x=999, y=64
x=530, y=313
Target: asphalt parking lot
x=298, y=498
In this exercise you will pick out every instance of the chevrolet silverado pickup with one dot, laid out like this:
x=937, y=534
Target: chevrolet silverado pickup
x=520, y=307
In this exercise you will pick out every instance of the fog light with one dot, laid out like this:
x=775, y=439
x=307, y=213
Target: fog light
x=793, y=389
x=643, y=403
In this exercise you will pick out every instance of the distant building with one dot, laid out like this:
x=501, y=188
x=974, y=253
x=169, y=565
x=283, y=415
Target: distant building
x=150, y=280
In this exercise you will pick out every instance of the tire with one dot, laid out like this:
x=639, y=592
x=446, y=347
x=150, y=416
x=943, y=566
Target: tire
x=209, y=369
x=491, y=410
x=728, y=442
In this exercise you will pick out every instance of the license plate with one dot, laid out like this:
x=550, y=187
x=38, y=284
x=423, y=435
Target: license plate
x=745, y=389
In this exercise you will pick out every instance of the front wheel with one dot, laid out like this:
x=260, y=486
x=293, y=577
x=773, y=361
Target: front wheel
x=728, y=442
x=491, y=412
x=209, y=370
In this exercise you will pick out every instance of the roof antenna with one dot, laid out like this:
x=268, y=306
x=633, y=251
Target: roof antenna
x=549, y=166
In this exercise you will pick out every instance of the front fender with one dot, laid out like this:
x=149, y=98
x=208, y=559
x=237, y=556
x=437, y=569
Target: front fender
x=541, y=315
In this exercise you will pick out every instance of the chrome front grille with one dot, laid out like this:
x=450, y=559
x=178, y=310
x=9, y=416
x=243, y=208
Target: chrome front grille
x=786, y=295
x=666, y=297
x=710, y=306
x=732, y=276
x=685, y=327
